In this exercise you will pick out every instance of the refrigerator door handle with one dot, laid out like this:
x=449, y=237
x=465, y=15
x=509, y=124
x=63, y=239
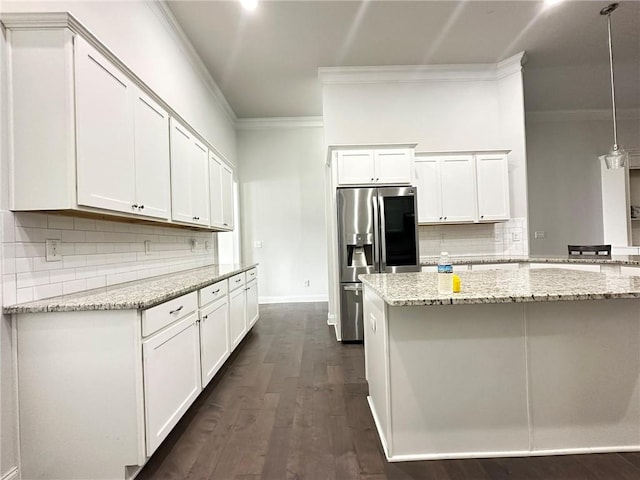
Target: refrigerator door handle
x=382, y=242
x=376, y=234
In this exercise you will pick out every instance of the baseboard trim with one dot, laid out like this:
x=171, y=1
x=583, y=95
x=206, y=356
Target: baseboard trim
x=13, y=474
x=295, y=299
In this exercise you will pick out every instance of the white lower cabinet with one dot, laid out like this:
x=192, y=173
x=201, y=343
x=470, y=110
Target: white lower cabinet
x=252, y=303
x=171, y=362
x=121, y=379
x=237, y=314
x=214, y=338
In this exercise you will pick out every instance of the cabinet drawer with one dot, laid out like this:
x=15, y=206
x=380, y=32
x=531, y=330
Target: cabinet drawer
x=236, y=281
x=153, y=319
x=213, y=292
x=252, y=274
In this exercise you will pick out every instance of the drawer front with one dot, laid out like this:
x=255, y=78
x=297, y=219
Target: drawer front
x=153, y=319
x=236, y=281
x=213, y=292
x=252, y=274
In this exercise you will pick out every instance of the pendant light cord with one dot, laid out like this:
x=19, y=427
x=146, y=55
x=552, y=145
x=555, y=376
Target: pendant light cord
x=613, y=90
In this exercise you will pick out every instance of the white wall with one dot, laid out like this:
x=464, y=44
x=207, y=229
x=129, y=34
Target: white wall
x=564, y=175
x=282, y=200
x=138, y=34
x=141, y=36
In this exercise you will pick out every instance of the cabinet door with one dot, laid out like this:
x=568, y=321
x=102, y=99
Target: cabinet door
x=214, y=338
x=427, y=180
x=104, y=132
x=356, y=167
x=237, y=321
x=392, y=166
x=458, y=191
x=492, y=173
x=227, y=198
x=171, y=363
x=252, y=303
x=215, y=191
x=151, y=157
x=181, y=139
x=200, y=183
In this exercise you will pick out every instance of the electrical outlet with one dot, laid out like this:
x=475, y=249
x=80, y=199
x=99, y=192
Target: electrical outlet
x=147, y=247
x=516, y=236
x=540, y=234
x=207, y=245
x=258, y=244
x=52, y=250
x=306, y=283
x=194, y=244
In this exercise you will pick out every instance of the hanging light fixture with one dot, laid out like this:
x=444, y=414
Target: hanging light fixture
x=617, y=157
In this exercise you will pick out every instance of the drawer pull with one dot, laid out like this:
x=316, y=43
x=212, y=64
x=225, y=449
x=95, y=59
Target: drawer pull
x=176, y=310
x=204, y=317
x=238, y=280
x=215, y=291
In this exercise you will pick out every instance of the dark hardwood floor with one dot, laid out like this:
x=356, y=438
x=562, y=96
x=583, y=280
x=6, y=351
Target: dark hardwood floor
x=291, y=404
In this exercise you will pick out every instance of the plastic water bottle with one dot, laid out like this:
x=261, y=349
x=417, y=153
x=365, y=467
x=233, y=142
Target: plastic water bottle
x=445, y=274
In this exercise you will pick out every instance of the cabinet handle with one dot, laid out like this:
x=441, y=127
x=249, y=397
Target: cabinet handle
x=226, y=224
x=445, y=218
x=204, y=317
x=481, y=216
x=141, y=207
x=238, y=280
x=196, y=218
x=377, y=179
x=176, y=310
x=440, y=218
x=135, y=205
x=372, y=179
x=215, y=291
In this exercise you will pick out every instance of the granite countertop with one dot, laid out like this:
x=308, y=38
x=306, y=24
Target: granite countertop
x=143, y=293
x=503, y=286
x=478, y=259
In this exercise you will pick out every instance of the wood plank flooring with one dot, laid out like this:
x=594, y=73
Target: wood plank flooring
x=291, y=404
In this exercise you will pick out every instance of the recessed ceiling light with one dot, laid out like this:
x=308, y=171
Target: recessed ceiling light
x=552, y=3
x=249, y=4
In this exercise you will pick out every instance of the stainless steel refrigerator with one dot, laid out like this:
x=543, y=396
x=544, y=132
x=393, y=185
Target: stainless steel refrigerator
x=377, y=233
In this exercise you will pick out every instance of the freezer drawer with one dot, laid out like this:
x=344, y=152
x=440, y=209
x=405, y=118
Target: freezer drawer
x=351, y=312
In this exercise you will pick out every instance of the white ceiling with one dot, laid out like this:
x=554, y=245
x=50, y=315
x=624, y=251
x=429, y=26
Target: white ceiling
x=265, y=62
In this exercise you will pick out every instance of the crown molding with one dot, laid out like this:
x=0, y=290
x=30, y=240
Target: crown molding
x=421, y=73
x=278, y=122
x=160, y=8
x=584, y=115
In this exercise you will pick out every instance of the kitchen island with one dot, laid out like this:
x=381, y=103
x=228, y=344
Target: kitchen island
x=522, y=362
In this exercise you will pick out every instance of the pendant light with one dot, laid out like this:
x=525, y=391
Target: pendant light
x=617, y=157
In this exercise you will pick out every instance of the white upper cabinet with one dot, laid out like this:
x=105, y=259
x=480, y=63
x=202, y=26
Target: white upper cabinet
x=492, y=173
x=227, y=198
x=427, y=180
x=457, y=188
x=462, y=188
x=221, y=193
x=393, y=166
x=88, y=135
x=104, y=132
x=189, y=176
x=383, y=166
x=151, y=157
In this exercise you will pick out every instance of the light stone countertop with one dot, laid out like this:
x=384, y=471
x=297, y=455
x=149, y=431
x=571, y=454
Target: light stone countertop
x=139, y=294
x=480, y=259
x=503, y=286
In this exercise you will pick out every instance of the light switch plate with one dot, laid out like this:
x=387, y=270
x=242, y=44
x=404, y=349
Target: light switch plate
x=258, y=244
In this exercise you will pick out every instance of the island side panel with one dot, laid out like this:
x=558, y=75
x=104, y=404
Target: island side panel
x=584, y=362
x=458, y=381
x=78, y=375
x=376, y=363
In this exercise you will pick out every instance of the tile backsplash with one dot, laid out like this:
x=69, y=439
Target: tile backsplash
x=506, y=238
x=95, y=253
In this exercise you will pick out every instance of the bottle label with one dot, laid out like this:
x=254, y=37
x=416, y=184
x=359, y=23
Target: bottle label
x=445, y=268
